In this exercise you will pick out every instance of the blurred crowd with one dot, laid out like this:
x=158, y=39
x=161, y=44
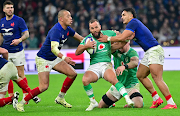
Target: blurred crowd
x=162, y=17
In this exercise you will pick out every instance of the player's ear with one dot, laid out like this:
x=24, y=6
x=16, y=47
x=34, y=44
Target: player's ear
x=60, y=18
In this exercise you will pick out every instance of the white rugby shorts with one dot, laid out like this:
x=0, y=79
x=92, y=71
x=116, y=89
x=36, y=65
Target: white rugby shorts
x=154, y=55
x=100, y=68
x=18, y=58
x=43, y=65
x=7, y=72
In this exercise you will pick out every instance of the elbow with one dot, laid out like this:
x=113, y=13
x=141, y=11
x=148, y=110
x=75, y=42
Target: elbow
x=27, y=34
x=76, y=53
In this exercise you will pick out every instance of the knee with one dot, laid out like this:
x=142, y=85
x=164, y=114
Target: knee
x=85, y=81
x=138, y=104
x=73, y=75
x=43, y=87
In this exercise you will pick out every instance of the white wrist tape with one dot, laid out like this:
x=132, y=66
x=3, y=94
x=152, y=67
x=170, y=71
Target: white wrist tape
x=63, y=57
x=109, y=39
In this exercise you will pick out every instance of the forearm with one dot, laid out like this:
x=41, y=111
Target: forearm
x=4, y=53
x=117, y=38
x=80, y=49
x=1, y=39
x=78, y=37
x=133, y=62
x=24, y=36
x=117, y=45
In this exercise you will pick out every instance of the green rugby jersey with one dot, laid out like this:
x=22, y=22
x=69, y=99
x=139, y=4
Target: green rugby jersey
x=103, y=49
x=128, y=77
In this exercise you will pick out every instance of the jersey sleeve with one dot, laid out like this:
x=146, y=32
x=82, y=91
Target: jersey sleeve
x=132, y=25
x=71, y=32
x=22, y=25
x=55, y=35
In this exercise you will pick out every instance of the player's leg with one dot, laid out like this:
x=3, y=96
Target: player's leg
x=43, y=86
x=22, y=75
x=68, y=70
x=156, y=72
x=18, y=60
x=110, y=76
x=107, y=100
x=136, y=97
x=10, y=88
x=142, y=73
x=88, y=78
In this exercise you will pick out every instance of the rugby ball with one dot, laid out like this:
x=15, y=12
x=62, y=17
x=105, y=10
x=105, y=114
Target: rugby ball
x=90, y=50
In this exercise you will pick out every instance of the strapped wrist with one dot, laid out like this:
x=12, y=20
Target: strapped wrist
x=109, y=39
x=63, y=57
x=20, y=40
x=126, y=66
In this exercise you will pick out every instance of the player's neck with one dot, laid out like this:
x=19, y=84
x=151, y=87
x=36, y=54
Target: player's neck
x=63, y=26
x=9, y=17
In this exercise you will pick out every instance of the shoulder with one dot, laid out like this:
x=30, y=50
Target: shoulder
x=3, y=19
x=133, y=52
x=108, y=31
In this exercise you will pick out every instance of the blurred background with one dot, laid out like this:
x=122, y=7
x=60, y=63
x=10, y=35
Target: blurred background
x=162, y=17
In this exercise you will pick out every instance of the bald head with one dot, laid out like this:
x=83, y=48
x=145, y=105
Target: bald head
x=61, y=13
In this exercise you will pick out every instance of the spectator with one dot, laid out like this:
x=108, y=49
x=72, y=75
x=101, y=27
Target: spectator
x=32, y=41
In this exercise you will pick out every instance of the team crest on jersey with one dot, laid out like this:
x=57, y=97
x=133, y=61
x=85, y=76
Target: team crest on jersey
x=119, y=55
x=62, y=36
x=12, y=24
x=101, y=46
x=2, y=25
x=126, y=59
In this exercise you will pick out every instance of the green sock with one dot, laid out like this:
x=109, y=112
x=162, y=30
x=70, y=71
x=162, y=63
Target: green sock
x=120, y=87
x=89, y=90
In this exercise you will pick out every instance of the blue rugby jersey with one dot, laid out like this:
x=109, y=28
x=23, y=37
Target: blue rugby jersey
x=143, y=35
x=12, y=29
x=2, y=62
x=56, y=33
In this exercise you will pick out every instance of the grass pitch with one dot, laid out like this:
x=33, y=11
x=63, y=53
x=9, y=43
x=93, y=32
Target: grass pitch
x=80, y=101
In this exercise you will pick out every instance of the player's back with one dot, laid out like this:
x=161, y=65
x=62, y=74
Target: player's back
x=143, y=35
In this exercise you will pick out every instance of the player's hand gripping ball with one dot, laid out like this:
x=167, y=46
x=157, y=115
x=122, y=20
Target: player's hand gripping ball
x=90, y=50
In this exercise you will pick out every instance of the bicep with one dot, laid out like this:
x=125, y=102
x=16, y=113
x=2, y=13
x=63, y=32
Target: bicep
x=134, y=59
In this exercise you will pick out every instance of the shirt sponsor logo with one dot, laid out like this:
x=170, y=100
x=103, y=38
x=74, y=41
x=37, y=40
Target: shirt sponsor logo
x=7, y=31
x=101, y=46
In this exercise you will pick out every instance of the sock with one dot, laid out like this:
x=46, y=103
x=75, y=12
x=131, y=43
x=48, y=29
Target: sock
x=155, y=96
x=92, y=99
x=61, y=94
x=25, y=92
x=22, y=84
x=67, y=83
x=4, y=101
x=120, y=87
x=89, y=91
x=32, y=94
x=169, y=100
x=10, y=88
